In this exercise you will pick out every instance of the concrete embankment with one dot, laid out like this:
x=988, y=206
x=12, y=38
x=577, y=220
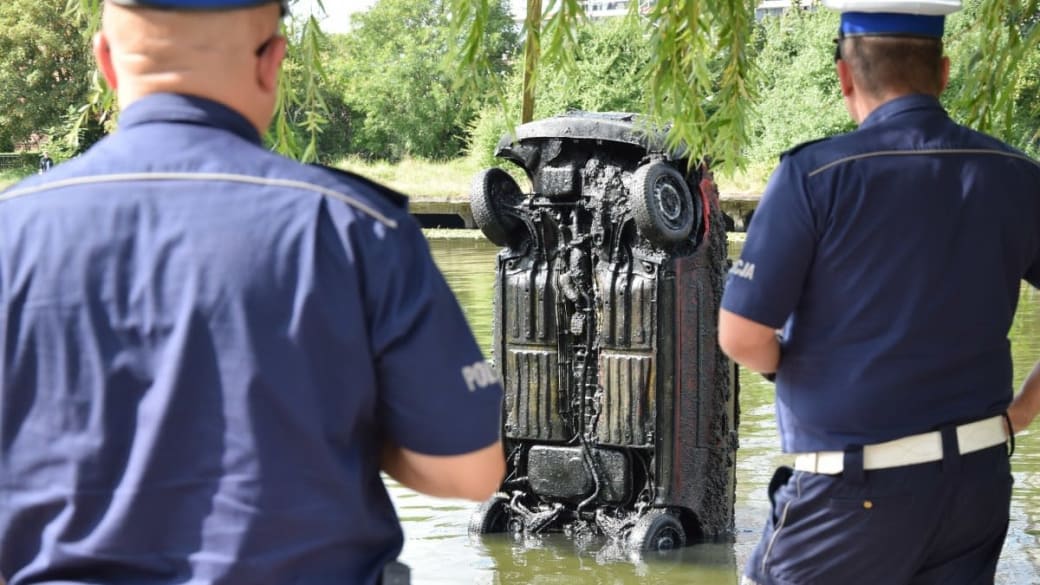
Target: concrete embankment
x=456, y=214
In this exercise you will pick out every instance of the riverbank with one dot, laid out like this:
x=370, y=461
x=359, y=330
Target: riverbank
x=455, y=234
x=8, y=178
x=450, y=180
x=475, y=235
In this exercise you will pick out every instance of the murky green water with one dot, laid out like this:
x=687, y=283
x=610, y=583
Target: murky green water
x=439, y=550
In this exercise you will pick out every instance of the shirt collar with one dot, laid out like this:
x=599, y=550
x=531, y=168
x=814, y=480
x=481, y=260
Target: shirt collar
x=902, y=105
x=186, y=109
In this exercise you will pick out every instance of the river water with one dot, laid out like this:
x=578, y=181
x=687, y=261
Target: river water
x=439, y=550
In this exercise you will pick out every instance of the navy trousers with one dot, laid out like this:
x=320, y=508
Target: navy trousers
x=932, y=523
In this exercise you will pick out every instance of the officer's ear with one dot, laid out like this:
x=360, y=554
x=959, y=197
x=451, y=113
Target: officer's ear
x=844, y=77
x=103, y=55
x=269, y=63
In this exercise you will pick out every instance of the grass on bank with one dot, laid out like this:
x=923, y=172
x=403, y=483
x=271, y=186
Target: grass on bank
x=10, y=177
x=421, y=179
x=450, y=180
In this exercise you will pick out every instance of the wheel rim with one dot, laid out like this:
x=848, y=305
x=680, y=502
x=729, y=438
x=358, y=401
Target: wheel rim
x=669, y=202
x=667, y=539
x=662, y=205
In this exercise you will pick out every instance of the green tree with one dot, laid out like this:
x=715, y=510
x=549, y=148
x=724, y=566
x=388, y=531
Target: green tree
x=696, y=81
x=688, y=36
x=303, y=111
x=995, y=70
x=398, y=80
x=45, y=65
x=607, y=73
x=700, y=78
x=1026, y=122
x=800, y=98
x=301, y=114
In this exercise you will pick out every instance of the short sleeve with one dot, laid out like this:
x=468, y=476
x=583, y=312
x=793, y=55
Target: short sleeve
x=765, y=284
x=437, y=394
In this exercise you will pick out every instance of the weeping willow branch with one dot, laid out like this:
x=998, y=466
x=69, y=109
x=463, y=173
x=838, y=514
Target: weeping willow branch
x=471, y=56
x=1001, y=35
x=100, y=105
x=706, y=107
x=562, y=19
x=301, y=111
x=707, y=110
x=557, y=20
x=470, y=20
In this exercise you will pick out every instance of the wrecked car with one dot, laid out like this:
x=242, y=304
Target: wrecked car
x=620, y=413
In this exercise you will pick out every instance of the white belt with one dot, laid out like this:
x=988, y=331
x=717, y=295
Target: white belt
x=910, y=450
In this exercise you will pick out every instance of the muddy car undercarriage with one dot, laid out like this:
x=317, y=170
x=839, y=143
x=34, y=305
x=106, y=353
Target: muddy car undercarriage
x=621, y=412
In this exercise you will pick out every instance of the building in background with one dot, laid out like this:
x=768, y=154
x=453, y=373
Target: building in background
x=600, y=9
x=597, y=9
x=594, y=9
x=777, y=7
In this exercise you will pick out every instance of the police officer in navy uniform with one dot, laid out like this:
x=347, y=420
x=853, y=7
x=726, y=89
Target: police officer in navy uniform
x=208, y=352
x=878, y=283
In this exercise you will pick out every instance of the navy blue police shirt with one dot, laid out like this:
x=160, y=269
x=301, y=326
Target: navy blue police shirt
x=203, y=346
x=892, y=258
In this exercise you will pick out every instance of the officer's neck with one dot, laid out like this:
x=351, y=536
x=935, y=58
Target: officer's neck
x=861, y=104
x=129, y=93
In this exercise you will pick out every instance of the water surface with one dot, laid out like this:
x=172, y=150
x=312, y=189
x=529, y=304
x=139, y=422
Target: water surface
x=439, y=550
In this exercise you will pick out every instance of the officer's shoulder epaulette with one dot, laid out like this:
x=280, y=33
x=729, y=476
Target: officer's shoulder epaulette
x=798, y=147
x=397, y=199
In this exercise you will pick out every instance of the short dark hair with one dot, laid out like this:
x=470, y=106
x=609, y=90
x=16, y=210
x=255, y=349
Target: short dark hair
x=882, y=64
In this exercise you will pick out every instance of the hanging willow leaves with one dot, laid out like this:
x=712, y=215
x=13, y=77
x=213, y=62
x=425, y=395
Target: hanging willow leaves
x=996, y=38
x=707, y=110
x=562, y=18
x=555, y=20
x=301, y=111
x=698, y=81
x=707, y=101
x=100, y=107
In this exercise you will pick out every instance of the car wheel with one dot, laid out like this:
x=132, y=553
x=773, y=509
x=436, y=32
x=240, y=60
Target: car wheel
x=490, y=517
x=657, y=530
x=662, y=206
x=493, y=197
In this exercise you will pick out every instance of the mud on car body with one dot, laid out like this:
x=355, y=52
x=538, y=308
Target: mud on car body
x=621, y=411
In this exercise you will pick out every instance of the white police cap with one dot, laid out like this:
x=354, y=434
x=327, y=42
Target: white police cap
x=893, y=17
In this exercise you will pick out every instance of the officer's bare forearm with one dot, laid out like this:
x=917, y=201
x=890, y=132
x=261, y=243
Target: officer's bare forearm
x=750, y=344
x=1026, y=405
x=474, y=476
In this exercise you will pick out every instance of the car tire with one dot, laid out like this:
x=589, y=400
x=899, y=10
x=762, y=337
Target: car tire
x=490, y=517
x=657, y=530
x=662, y=206
x=493, y=197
